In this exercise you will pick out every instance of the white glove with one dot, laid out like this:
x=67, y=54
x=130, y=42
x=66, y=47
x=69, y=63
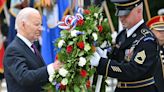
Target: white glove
x=114, y=35
x=95, y=58
x=105, y=44
x=102, y=53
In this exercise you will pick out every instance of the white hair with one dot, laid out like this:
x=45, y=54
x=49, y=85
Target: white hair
x=23, y=16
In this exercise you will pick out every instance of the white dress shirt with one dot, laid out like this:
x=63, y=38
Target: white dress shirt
x=26, y=41
x=131, y=30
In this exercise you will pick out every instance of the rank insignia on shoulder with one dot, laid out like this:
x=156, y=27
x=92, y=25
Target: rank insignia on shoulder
x=140, y=57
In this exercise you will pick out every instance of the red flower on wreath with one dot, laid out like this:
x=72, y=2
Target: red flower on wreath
x=88, y=84
x=80, y=45
x=56, y=58
x=62, y=87
x=80, y=22
x=87, y=12
x=69, y=49
x=100, y=28
x=83, y=73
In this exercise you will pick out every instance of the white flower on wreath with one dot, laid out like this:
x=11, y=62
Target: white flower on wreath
x=87, y=47
x=60, y=43
x=64, y=81
x=87, y=18
x=95, y=23
x=74, y=33
x=63, y=72
x=96, y=15
x=82, y=61
x=94, y=36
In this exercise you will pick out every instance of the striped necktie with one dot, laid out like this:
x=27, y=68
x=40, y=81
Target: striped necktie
x=36, y=51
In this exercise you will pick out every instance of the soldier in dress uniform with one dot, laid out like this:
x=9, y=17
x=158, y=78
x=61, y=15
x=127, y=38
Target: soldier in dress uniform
x=135, y=55
x=156, y=24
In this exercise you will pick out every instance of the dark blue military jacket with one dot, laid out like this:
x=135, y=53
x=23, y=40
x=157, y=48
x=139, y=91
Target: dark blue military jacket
x=134, y=60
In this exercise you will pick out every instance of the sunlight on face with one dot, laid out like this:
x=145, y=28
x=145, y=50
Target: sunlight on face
x=33, y=27
x=129, y=20
x=135, y=15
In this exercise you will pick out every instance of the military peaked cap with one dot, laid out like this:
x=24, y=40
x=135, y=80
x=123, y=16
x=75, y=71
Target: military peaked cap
x=123, y=7
x=156, y=23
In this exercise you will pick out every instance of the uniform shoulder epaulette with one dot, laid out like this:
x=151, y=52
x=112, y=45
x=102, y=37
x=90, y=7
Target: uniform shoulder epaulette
x=147, y=35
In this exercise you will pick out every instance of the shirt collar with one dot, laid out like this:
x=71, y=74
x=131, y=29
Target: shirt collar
x=25, y=40
x=131, y=30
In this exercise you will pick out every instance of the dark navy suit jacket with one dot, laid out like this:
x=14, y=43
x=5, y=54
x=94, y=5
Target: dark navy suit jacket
x=24, y=72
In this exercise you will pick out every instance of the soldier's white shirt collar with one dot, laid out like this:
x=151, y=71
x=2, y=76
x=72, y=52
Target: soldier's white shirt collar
x=131, y=30
x=25, y=40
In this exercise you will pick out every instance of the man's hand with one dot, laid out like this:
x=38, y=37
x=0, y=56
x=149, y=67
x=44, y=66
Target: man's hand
x=95, y=58
x=57, y=65
x=114, y=35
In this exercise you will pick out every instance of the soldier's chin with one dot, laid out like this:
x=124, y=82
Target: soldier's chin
x=124, y=26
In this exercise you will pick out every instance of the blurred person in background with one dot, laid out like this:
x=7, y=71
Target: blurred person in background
x=156, y=24
x=15, y=7
x=2, y=51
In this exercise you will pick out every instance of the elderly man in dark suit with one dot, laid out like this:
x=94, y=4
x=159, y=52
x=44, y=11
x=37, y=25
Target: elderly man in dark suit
x=24, y=68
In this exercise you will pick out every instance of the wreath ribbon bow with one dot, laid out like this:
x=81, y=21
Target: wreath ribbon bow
x=69, y=22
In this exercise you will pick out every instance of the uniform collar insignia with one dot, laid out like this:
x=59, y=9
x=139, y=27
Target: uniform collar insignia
x=144, y=31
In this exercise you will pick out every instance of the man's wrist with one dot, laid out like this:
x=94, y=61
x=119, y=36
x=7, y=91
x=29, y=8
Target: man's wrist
x=51, y=71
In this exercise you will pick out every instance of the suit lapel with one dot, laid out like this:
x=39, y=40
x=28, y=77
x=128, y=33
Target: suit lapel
x=29, y=52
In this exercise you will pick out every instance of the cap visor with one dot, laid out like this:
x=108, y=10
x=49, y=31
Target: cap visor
x=122, y=12
x=161, y=29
